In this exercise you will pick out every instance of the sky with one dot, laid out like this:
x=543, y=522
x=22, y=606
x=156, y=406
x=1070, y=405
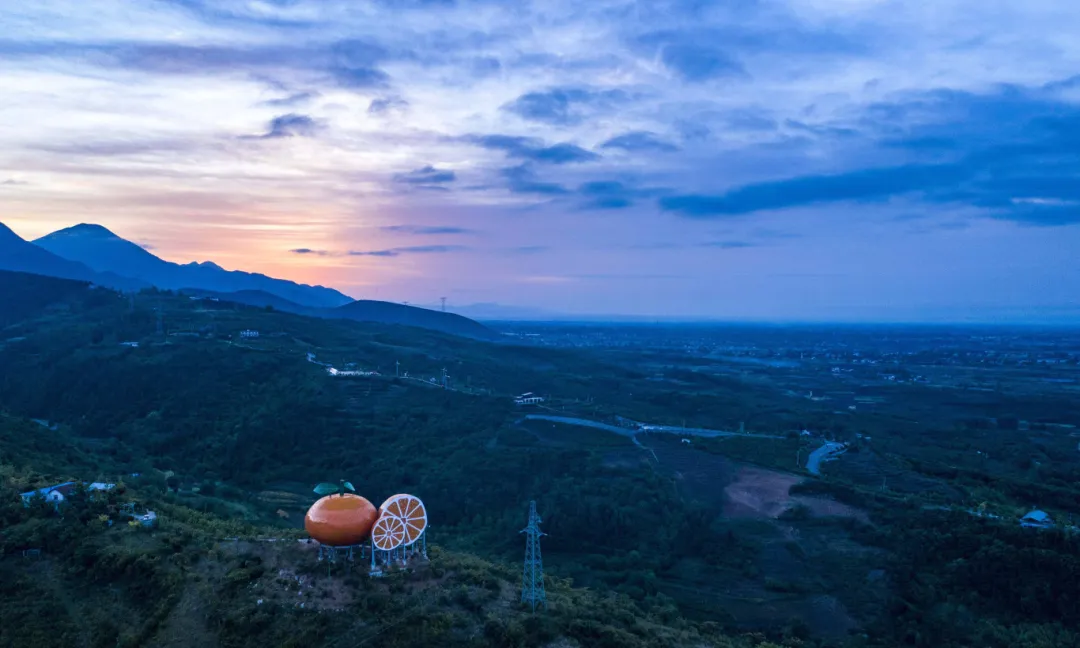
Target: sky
x=837, y=160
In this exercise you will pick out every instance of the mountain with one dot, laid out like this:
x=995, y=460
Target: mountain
x=18, y=255
x=363, y=311
x=103, y=251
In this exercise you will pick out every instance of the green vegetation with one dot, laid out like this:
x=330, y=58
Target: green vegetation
x=227, y=436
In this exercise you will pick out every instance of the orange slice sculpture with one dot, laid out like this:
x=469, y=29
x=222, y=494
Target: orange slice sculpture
x=388, y=533
x=340, y=520
x=411, y=511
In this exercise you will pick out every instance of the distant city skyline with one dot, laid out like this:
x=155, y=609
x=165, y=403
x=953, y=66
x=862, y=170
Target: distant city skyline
x=799, y=160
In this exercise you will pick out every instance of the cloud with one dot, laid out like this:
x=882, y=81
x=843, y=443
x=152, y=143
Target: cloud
x=426, y=229
x=530, y=148
x=521, y=180
x=360, y=78
x=728, y=245
x=121, y=147
x=640, y=141
x=414, y=249
x=861, y=185
x=699, y=62
x=291, y=125
x=612, y=194
x=1009, y=152
x=427, y=175
x=291, y=101
x=562, y=106
x=309, y=251
x=383, y=105
x=11, y=182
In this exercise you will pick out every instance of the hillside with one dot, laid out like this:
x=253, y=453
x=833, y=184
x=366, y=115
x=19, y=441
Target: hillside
x=679, y=543
x=94, y=583
x=390, y=313
x=101, y=250
x=28, y=295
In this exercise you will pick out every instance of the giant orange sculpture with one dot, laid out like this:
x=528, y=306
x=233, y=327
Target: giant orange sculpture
x=340, y=519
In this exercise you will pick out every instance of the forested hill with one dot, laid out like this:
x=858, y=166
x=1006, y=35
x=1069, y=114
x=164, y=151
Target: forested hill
x=363, y=311
x=28, y=295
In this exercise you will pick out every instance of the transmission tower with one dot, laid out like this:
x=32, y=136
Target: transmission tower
x=532, y=579
x=443, y=303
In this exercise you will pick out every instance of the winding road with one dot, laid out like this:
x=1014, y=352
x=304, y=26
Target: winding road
x=826, y=452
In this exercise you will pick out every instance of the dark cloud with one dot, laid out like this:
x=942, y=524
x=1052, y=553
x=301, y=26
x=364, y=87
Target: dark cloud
x=1012, y=152
x=414, y=249
x=426, y=229
x=562, y=106
x=427, y=175
x=521, y=179
x=383, y=105
x=530, y=148
x=13, y=182
x=728, y=245
x=863, y=185
x=639, y=141
x=292, y=100
x=360, y=78
x=309, y=251
x=291, y=125
x=611, y=194
x=820, y=131
x=700, y=62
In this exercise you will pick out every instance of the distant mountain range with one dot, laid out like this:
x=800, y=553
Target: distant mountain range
x=102, y=251
x=93, y=254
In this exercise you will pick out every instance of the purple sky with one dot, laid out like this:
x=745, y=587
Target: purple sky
x=789, y=159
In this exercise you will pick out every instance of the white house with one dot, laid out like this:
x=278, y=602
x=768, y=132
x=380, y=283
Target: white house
x=1037, y=519
x=60, y=492
x=249, y=334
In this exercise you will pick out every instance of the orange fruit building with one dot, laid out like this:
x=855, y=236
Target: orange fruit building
x=340, y=520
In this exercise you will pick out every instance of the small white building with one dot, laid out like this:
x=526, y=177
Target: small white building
x=60, y=492
x=249, y=334
x=1037, y=520
x=528, y=398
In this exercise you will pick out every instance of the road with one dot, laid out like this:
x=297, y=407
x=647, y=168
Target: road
x=826, y=452
x=647, y=429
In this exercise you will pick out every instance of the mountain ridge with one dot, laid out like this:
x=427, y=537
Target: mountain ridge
x=20, y=255
x=102, y=250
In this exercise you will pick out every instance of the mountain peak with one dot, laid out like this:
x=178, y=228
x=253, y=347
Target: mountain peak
x=85, y=230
